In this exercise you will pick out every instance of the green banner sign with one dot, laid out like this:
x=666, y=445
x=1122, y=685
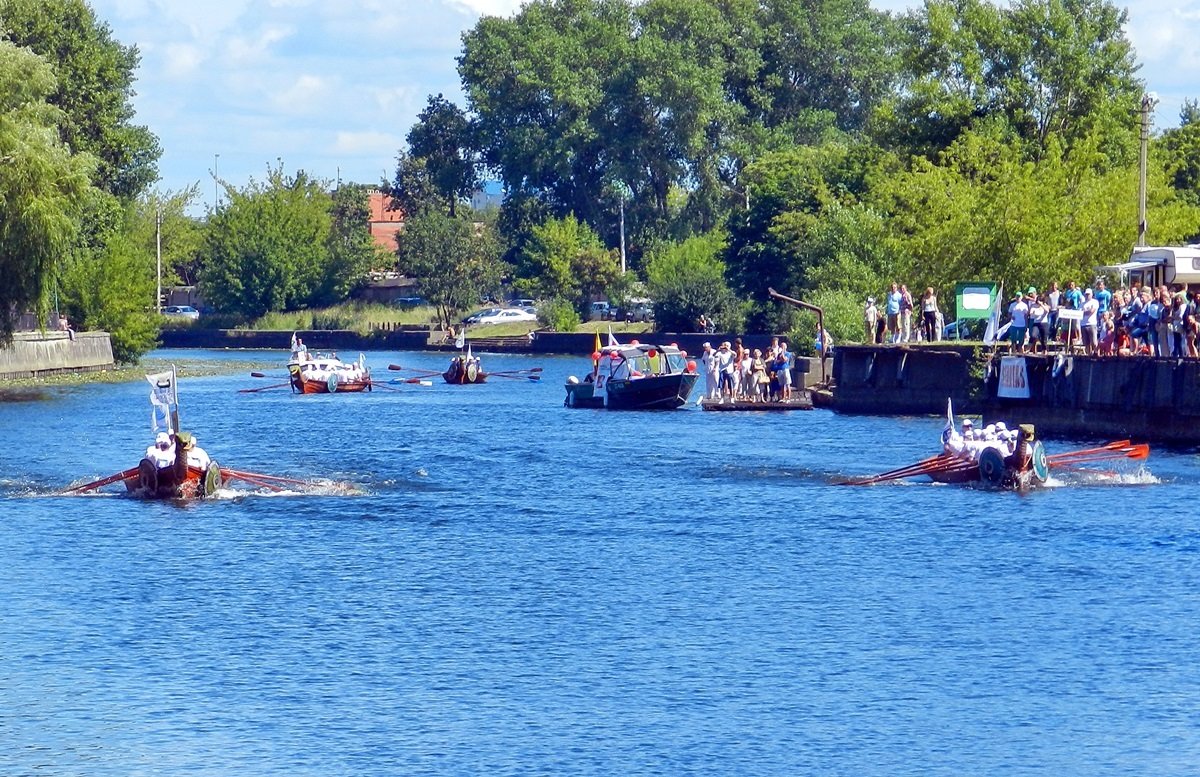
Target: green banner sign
x=974, y=299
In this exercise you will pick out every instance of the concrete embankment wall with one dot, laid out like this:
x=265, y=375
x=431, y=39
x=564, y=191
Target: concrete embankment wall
x=1140, y=398
x=897, y=380
x=36, y=354
x=1155, y=400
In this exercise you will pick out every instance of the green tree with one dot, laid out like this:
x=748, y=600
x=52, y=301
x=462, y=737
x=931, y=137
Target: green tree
x=1048, y=67
x=44, y=188
x=687, y=280
x=564, y=258
x=113, y=290
x=442, y=137
x=454, y=262
x=95, y=75
x=267, y=246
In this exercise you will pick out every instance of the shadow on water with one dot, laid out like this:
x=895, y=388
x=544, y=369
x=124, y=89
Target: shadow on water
x=14, y=394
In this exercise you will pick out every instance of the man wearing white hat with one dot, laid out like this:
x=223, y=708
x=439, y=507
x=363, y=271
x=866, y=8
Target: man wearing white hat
x=162, y=452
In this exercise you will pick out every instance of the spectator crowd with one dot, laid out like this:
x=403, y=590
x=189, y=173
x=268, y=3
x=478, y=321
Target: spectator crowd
x=1096, y=321
x=733, y=372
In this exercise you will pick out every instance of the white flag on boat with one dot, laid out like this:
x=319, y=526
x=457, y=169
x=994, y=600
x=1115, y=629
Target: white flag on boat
x=611, y=340
x=994, y=332
x=164, y=400
x=948, y=432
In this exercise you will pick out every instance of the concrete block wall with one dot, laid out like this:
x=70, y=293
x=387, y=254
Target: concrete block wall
x=35, y=354
x=898, y=380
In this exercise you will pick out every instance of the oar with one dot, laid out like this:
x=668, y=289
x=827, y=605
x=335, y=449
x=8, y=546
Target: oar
x=264, y=375
x=514, y=377
x=250, y=479
x=226, y=472
x=398, y=368
x=263, y=388
x=911, y=470
x=129, y=473
x=1113, y=450
x=413, y=381
x=516, y=372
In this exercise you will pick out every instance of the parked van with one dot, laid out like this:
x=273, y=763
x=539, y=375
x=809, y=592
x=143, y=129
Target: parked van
x=598, y=311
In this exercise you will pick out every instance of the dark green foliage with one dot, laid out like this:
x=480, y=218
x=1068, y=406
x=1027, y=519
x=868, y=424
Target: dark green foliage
x=687, y=280
x=44, y=188
x=559, y=315
x=284, y=244
x=95, y=75
x=455, y=263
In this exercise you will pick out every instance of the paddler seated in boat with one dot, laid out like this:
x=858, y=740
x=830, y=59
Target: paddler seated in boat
x=162, y=453
x=196, y=456
x=1022, y=456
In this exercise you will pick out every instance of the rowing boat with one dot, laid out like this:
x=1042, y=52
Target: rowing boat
x=327, y=374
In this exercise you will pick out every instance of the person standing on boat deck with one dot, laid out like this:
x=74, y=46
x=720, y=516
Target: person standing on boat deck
x=708, y=360
x=892, y=306
x=870, y=320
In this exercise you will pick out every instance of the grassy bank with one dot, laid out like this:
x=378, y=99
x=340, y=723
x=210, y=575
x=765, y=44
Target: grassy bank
x=16, y=389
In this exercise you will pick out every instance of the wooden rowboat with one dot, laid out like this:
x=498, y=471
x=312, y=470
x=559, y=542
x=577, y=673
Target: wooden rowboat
x=328, y=375
x=464, y=370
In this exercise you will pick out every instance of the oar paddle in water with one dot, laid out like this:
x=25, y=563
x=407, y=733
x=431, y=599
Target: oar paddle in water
x=263, y=388
x=129, y=473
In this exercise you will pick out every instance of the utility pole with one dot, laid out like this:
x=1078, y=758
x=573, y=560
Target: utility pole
x=1149, y=100
x=216, y=178
x=158, y=254
x=622, y=231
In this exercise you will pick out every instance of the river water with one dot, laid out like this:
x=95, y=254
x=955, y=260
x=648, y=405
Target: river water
x=496, y=584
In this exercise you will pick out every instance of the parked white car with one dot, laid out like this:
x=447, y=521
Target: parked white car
x=507, y=316
x=181, y=311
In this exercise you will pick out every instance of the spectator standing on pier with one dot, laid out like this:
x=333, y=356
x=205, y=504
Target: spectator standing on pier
x=1018, y=311
x=1073, y=299
x=1090, y=324
x=906, y=311
x=1039, y=322
x=1103, y=297
x=929, y=311
x=892, y=307
x=1179, y=316
x=784, y=370
x=708, y=362
x=1053, y=303
x=871, y=320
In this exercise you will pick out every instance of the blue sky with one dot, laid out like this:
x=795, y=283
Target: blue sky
x=333, y=87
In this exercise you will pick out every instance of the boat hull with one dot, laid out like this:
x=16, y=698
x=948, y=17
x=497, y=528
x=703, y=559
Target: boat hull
x=657, y=392
x=302, y=385
x=994, y=471
x=463, y=378
x=155, y=483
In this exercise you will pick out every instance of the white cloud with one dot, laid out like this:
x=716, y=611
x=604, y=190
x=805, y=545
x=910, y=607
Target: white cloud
x=382, y=144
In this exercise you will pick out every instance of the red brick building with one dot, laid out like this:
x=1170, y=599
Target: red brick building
x=385, y=224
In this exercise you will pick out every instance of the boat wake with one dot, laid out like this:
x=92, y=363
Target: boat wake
x=1083, y=477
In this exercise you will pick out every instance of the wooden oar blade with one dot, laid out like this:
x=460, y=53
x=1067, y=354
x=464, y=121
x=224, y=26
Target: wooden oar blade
x=263, y=388
x=132, y=472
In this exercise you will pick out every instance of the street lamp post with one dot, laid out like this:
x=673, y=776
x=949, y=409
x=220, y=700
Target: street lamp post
x=1149, y=100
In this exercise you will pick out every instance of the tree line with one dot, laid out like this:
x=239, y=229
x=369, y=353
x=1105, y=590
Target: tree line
x=716, y=147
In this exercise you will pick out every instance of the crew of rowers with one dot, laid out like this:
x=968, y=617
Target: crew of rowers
x=971, y=442
x=460, y=366
x=167, y=447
